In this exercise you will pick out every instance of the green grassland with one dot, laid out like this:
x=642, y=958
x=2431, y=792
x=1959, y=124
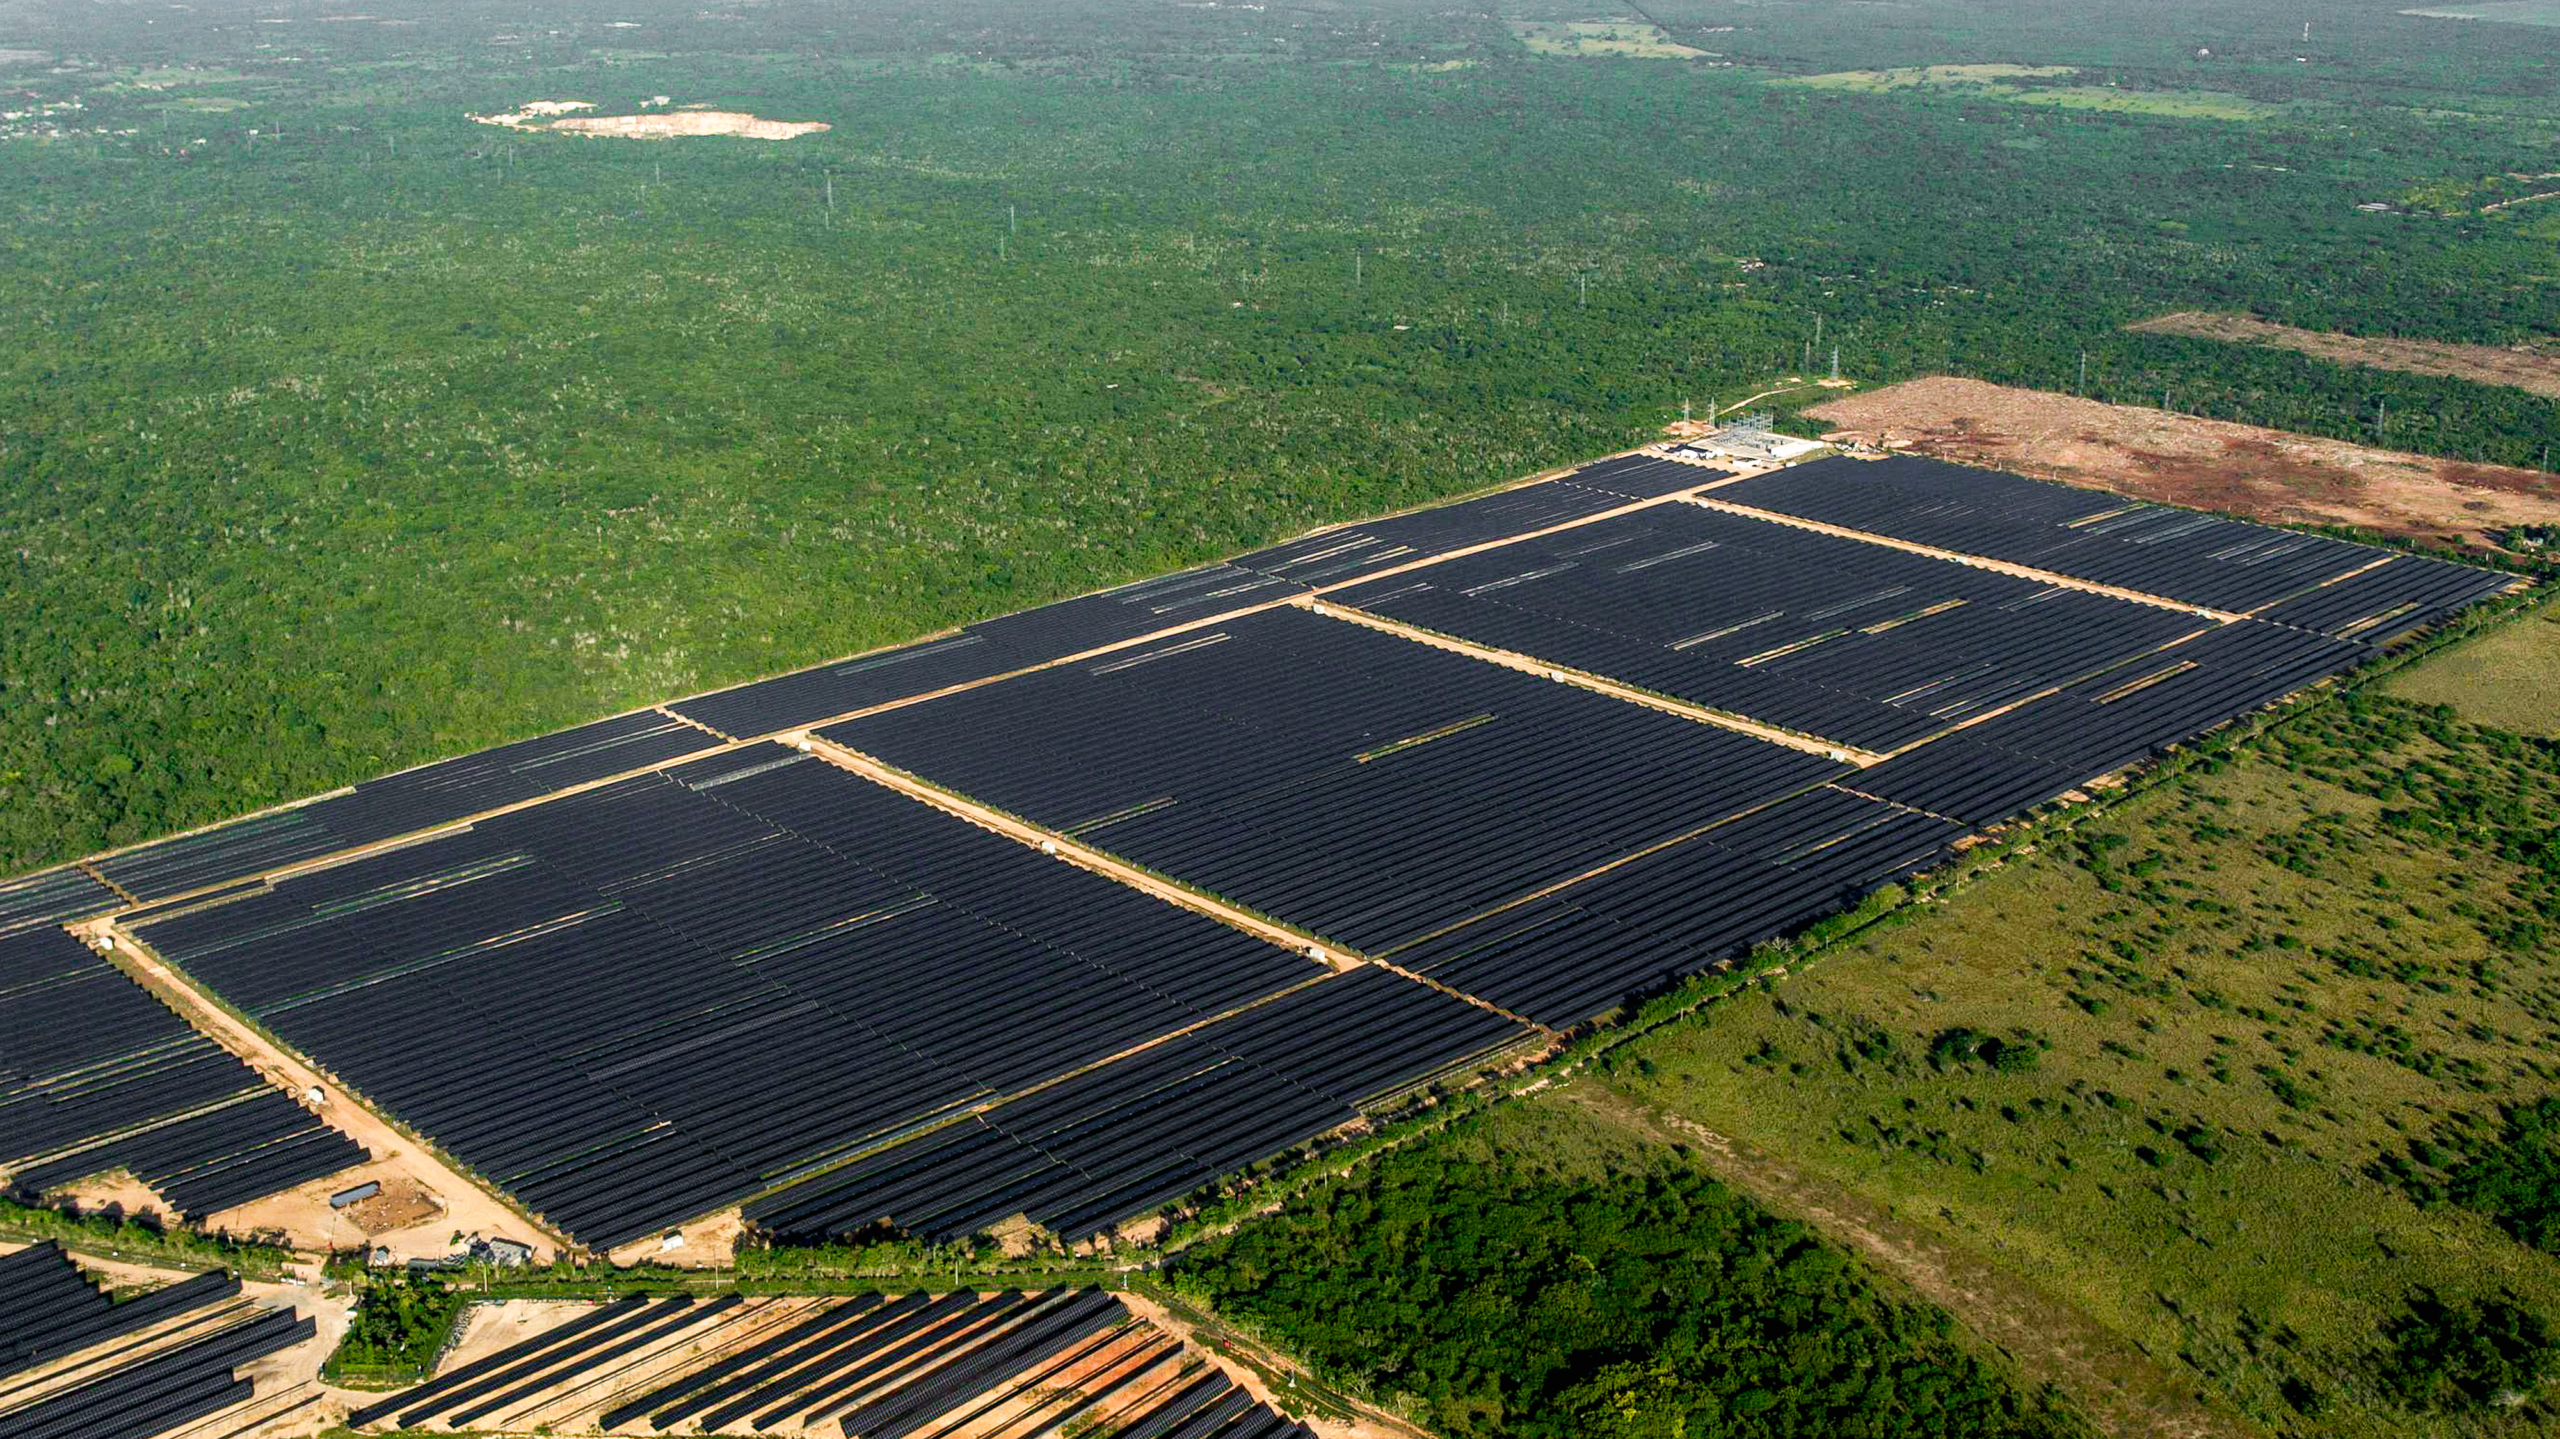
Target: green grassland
x=1998, y=82
x=2508, y=680
x=1632, y=39
x=2176, y=104
x=2207, y=1069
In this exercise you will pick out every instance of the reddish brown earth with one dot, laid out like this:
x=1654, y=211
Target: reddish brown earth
x=2207, y=464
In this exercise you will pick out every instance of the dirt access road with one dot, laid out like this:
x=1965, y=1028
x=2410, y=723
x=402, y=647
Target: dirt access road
x=2207, y=464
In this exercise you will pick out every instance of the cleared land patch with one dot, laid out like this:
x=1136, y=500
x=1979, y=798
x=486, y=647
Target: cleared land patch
x=1634, y=39
x=562, y=115
x=2208, y=464
x=2537, y=371
x=2510, y=679
x=2506, y=12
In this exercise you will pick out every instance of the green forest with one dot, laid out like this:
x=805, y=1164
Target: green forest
x=339, y=433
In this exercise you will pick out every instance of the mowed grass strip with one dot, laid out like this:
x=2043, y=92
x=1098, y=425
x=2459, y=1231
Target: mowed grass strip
x=2177, y=1069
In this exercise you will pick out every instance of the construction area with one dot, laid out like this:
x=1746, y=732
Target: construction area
x=2174, y=459
x=1057, y=927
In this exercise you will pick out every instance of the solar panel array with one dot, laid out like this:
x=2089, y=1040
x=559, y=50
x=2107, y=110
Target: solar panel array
x=754, y=976
x=147, y=1366
x=635, y=1004
x=54, y=896
x=403, y=803
x=1359, y=784
x=1052, y=632
x=2183, y=555
x=1149, y=1128
x=96, y=1075
x=912, y=1366
x=49, y=1309
x=1570, y=955
x=1856, y=643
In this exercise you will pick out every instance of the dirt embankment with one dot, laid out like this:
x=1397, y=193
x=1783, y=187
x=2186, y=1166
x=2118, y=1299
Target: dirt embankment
x=2533, y=370
x=2209, y=464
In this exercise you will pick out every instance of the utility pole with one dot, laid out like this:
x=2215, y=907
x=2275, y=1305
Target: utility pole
x=1586, y=290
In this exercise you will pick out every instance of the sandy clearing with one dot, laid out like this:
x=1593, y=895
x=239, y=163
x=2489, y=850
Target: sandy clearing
x=691, y=122
x=562, y=115
x=2205, y=464
x=710, y=1242
x=407, y=1218
x=2534, y=370
x=119, y=1194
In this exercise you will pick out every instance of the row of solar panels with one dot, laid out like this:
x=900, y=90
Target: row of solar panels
x=80, y=1367
x=913, y=1366
x=97, y=1075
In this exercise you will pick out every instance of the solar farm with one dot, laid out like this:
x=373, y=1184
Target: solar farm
x=1051, y=923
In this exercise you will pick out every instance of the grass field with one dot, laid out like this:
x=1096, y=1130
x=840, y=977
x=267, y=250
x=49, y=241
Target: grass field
x=2510, y=679
x=2178, y=104
x=1631, y=38
x=1993, y=82
x=1911, y=77
x=2177, y=1070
